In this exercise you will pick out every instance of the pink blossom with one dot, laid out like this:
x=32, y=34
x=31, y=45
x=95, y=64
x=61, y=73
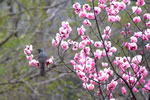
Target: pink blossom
x=98, y=44
x=86, y=7
x=29, y=57
x=132, y=46
x=147, y=16
x=28, y=50
x=107, y=30
x=82, y=14
x=97, y=54
x=97, y=10
x=135, y=90
x=148, y=46
x=147, y=33
x=90, y=86
x=55, y=42
x=137, y=19
x=33, y=62
x=133, y=39
x=144, y=37
x=138, y=34
x=90, y=15
x=104, y=64
x=137, y=59
x=123, y=90
x=102, y=6
x=126, y=1
x=50, y=61
x=113, y=49
x=148, y=24
x=82, y=44
x=75, y=45
x=140, y=3
x=64, y=45
x=128, y=25
x=122, y=6
x=111, y=86
x=81, y=30
x=87, y=22
x=123, y=33
x=136, y=10
x=113, y=19
x=76, y=5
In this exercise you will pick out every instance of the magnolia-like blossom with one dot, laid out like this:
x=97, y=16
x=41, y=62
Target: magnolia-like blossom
x=137, y=19
x=132, y=46
x=64, y=45
x=87, y=22
x=136, y=10
x=133, y=39
x=111, y=86
x=123, y=90
x=81, y=30
x=90, y=15
x=97, y=10
x=86, y=7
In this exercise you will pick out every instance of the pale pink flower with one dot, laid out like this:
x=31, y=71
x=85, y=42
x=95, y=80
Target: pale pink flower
x=55, y=42
x=86, y=7
x=132, y=46
x=64, y=45
x=97, y=54
x=76, y=5
x=128, y=25
x=113, y=49
x=148, y=24
x=137, y=19
x=148, y=46
x=136, y=10
x=138, y=34
x=82, y=44
x=90, y=86
x=50, y=61
x=81, y=30
x=82, y=14
x=104, y=64
x=90, y=15
x=87, y=22
x=135, y=90
x=111, y=86
x=123, y=90
x=33, y=62
x=137, y=59
x=147, y=16
x=97, y=10
x=122, y=6
x=133, y=39
x=144, y=37
x=107, y=30
x=29, y=57
x=98, y=44
x=147, y=33
x=140, y=3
